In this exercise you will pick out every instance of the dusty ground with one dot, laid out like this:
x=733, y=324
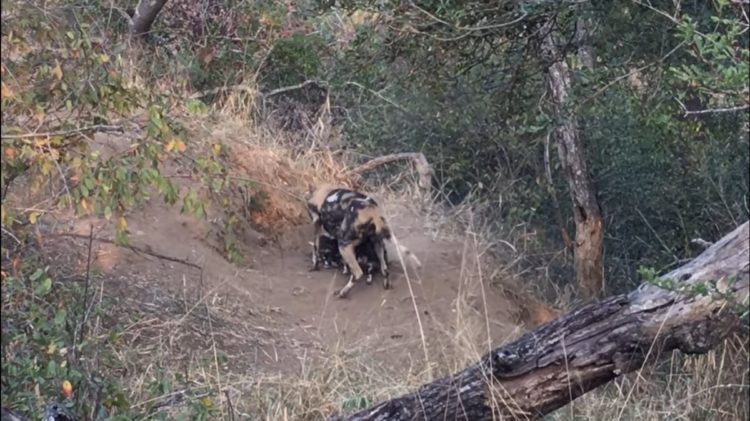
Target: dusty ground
x=271, y=313
x=182, y=307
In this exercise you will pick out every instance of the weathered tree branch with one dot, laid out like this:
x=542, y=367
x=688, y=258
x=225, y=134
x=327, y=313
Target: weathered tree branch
x=420, y=164
x=563, y=359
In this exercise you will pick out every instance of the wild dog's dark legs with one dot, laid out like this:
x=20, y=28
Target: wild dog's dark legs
x=380, y=251
x=317, y=225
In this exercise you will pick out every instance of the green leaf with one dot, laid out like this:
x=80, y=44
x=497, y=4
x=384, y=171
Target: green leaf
x=37, y=273
x=52, y=368
x=60, y=316
x=108, y=212
x=44, y=287
x=121, y=173
x=196, y=107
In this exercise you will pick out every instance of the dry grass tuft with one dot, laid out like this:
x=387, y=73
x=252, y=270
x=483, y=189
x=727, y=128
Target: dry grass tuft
x=280, y=174
x=713, y=386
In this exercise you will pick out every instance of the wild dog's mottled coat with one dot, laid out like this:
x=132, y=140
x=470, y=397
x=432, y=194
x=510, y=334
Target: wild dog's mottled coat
x=326, y=207
x=353, y=218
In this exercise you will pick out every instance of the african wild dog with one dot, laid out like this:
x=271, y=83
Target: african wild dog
x=353, y=218
x=326, y=208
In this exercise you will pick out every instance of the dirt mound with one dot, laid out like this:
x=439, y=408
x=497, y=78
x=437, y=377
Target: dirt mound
x=279, y=179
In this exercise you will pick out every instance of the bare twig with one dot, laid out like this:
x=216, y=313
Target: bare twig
x=133, y=248
x=11, y=235
x=230, y=408
x=295, y=87
x=249, y=90
x=66, y=133
x=714, y=110
x=81, y=330
x=473, y=28
x=379, y=95
x=234, y=88
x=122, y=13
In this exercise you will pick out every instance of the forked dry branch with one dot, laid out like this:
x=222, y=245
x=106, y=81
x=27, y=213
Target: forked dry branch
x=417, y=158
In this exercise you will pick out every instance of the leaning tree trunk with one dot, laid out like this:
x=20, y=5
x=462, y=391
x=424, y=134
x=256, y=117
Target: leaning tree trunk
x=144, y=16
x=589, y=238
x=560, y=361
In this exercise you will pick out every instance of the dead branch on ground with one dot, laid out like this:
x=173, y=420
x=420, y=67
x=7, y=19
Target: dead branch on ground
x=417, y=158
x=589, y=347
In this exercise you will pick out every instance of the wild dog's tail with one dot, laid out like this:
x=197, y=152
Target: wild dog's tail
x=403, y=250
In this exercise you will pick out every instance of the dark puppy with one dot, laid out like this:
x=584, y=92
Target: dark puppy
x=368, y=260
x=328, y=253
x=367, y=257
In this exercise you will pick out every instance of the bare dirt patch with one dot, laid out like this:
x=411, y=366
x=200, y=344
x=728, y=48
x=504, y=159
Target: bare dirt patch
x=273, y=314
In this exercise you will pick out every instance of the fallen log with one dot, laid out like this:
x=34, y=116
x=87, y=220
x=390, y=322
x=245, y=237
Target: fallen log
x=567, y=357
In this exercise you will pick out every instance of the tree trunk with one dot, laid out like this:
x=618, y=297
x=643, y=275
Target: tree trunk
x=144, y=16
x=560, y=361
x=589, y=242
x=584, y=30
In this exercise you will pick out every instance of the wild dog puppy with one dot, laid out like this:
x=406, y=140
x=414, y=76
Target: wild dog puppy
x=328, y=252
x=326, y=208
x=367, y=258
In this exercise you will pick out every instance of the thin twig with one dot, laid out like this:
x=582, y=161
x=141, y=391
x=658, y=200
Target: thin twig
x=715, y=110
x=11, y=235
x=233, y=88
x=133, y=248
x=474, y=28
x=379, y=95
x=230, y=408
x=295, y=87
x=81, y=331
x=250, y=90
x=122, y=13
x=213, y=345
x=66, y=133
x=7, y=187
